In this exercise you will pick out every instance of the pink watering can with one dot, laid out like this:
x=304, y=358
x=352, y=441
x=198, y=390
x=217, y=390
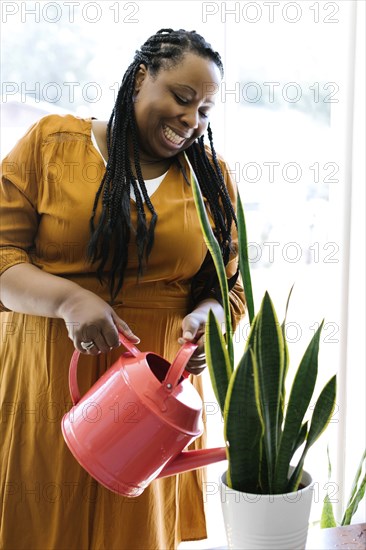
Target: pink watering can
x=133, y=424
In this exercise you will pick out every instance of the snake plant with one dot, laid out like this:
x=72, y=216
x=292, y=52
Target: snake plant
x=261, y=433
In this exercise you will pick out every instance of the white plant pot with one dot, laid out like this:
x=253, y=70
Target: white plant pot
x=264, y=522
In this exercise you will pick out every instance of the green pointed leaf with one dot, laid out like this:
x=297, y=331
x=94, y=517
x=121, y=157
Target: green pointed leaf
x=286, y=362
x=355, y=481
x=348, y=513
x=217, y=359
x=263, y=474
x=268, y=350
x=351, y=509
x=287, y=305
x=323, y=411
x=214, y=248
x=322, y=414
x=300, y=438
x=300, y=397
x=243, y=427
x=283, y=327
x=329, y=464
x=327, y=518
x=250, y=343
x=244, y=260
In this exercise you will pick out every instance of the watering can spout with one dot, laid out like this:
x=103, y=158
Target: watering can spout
x=190, y=460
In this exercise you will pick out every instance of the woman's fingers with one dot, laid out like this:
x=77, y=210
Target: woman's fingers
x=100, y=343
x=95, y=339
x=191, y=326
x=196, y=364
x=198, y=339
x=123, y=327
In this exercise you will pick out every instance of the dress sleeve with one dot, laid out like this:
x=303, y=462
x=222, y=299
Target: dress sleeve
x=206, y=281
x=20, y=176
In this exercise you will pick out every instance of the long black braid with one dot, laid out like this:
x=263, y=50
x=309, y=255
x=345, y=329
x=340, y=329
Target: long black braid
x=111, y=235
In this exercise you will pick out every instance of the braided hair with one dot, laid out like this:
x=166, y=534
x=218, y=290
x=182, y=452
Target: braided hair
x=111, y=235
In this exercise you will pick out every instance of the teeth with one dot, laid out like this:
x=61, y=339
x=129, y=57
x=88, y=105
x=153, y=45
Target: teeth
x=172, y=136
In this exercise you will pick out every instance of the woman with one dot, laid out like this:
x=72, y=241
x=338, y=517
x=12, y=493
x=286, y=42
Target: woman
x=100, y=234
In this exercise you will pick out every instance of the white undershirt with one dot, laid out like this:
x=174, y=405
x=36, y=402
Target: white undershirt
x=151, y=185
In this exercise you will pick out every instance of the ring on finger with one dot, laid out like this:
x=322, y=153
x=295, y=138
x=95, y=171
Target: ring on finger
x=197, y=365
x=194, y=368
x=87, y=345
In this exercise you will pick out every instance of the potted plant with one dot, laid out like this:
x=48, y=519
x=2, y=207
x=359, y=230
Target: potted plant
x=266, y=499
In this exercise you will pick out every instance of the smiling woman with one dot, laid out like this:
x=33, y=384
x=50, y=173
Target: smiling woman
x=138, y=263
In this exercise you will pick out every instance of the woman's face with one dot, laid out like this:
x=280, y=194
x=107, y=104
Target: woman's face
x=172, y=108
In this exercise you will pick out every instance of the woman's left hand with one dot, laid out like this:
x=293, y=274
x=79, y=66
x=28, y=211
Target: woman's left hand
x=193, y=330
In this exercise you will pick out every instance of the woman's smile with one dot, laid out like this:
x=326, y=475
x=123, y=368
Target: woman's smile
x=172, y=139
x=172, y=136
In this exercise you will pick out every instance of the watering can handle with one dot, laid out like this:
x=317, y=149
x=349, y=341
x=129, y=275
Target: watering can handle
x=73, y=380
x=177, y=367
x=173, y=376
x=128, y=344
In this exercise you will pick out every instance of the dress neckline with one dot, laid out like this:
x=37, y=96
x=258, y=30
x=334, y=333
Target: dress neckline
x=154, y=184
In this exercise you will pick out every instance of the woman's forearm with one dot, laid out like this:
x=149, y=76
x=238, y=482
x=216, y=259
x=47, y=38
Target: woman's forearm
x=25, y=288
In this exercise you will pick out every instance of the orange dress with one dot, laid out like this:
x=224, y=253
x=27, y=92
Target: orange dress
x=48, y=501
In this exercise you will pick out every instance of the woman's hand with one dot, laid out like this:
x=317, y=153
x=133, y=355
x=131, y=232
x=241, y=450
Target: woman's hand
x=89, y=319
x=193, y=330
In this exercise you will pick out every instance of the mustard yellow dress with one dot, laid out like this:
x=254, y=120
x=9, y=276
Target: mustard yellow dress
x=48, y=501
